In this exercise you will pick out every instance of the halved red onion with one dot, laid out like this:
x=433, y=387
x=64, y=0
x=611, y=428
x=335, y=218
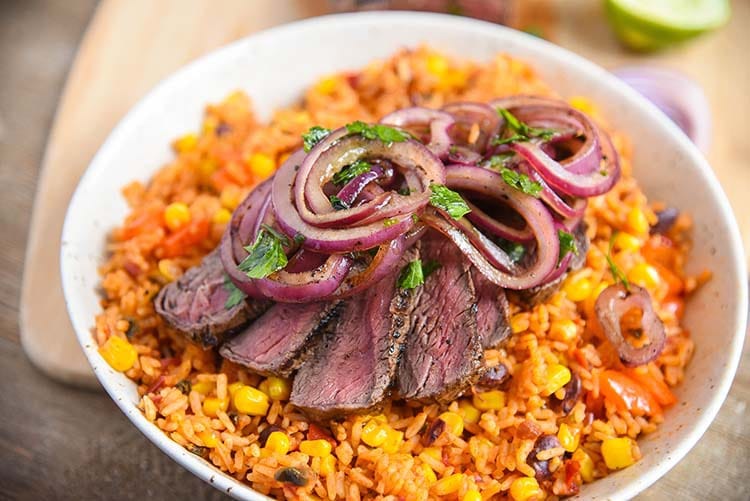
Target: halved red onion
x=612, y=304
x=437, y=121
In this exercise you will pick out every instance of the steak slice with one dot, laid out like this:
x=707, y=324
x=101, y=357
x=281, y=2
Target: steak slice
x=443, y=353
x=531, y=297
x=355, y=362
x=195, y=304
x=493, y=312
x=279, y=340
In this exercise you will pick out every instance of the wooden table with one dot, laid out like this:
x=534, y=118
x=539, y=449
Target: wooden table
x=57, y=442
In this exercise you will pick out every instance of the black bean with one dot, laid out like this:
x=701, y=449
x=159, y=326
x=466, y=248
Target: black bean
x=541, y=467
x=263, y=437
x=291, y=475
x=572, y=394
x=496, y=377
x=665, y=219
x=433, y=432
x=184, y=386
x=223, y=128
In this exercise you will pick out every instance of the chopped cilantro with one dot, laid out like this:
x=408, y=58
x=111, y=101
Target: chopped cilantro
x=266, y=255
x=429, y=267
x=236, y=296
x=514, y=250
x=521, y=131
x=350, y=172
x=448, y=200
x=390, y=222
x=412, y=275
x=299, y=238
x=314, y=136
x=282, y=238
x=616, y=272
x=521, y=182
x=337, y=203
x=567, y=244
x=499, y=160
x=385, y=133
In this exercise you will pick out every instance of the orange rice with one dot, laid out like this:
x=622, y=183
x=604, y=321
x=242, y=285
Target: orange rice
x=211, y=173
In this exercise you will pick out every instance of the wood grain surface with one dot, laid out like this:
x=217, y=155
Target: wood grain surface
x=57, y=442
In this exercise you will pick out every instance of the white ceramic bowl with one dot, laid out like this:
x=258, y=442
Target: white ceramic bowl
x=274, y=67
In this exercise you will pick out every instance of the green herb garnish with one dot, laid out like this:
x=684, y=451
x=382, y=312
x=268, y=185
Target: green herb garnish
x=521, y=182
x=337, y=203
x=314, y=136
x=448, y=200
x=265, y=256
x=521, y=131
x=514, y=250
x=412, y=275
x=616, y=272
x=299, y=238
x=406, y=191
x=390, y=222
x=385, y=133
x=567, y=244
x=184, y=386
x=499, y=160
x=236, y=296
x=350, y=172
x=429, y=267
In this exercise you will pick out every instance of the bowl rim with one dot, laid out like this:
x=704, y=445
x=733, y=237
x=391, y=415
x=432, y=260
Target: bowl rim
x=211, y=474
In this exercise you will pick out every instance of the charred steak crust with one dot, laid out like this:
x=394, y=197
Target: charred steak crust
x=280, y=340
x=531, y=297
x=195, y=304
x=354, y=364
x=443, y=354
x=493, y=311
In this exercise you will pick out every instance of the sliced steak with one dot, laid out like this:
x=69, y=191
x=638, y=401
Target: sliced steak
x=443, y=353
x=196, y=304
x=531, y=297
x=355, y=362
x=279, y=340
x=493, y=312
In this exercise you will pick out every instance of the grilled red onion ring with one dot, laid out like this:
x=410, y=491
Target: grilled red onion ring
x=466, y=114
x=612, y=304
x=439, y=123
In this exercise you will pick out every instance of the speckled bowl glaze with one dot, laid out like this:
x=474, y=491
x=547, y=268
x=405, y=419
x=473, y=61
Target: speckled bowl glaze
x=274, y=67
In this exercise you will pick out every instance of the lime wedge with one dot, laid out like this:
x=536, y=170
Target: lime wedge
x=652, y=24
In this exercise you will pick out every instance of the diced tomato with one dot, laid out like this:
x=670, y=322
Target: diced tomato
x=627, y=395
x=673, y=281
x=572, y=477
x=652, y=380
x=179, y=242
x=315, y=432
x=674, y=304
x=156, y=385
x=659, y=249
x=221, y=179
x=148, y=220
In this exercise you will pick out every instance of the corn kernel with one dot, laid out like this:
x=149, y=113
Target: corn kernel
x=176, y=215
x=393, y=441
x=525, y=488
x=472, y=495
x=489, y=400
x=209, y=438
x=434, y=452
x=186, y=143
x=569, y=437
x=251, y=401
x=168, y=269
x=202, y=387
x=586, y=464
x=519, y=323
x=327, y=465
x=448, y=485
x=437, y=64
x=230, y=197
x=212, y=405
x=645, y=275
x=470, y=413
x=454, y=423
x=583, y=104
x=637, y=221
x=578, y=288
x=374, y=433
x=222, y=216
x=618, y=452
x=379, y=418
x=209, y=125
x=429, y=474
x=278, y=442
x=564, y=330
x=627, y=242
x=557, y=376
x=263, y=386
x=233, y=387
x=207, y=167
x=261, y=165
x=278, y=388
x=319, y=448
x=118, y=353
x=591, y=300
x=326, y=85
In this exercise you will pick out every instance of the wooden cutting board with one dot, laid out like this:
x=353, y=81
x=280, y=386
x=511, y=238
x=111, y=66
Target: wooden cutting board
x=131, y=44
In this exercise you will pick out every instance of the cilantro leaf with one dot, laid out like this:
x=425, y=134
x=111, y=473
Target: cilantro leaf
x=337, y=203
x=385, y=133
x=236, y=296
x=567, y=244
x=616, y=272
x=521, y=182
x=514, y=250
x=299, y=238
x=499, y=160
x=448, y=200
x=282, y=238
x=350, y=172
x=412, y=275
x=265, y=256
x=521, y=131
x=429, y=267
x=314, y=136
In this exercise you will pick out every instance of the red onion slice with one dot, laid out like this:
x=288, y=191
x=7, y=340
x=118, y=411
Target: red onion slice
x=349, y=193
x=552, y=199
x=612, y=304
x=468, y=113
x=305, y=286
x=438, y=122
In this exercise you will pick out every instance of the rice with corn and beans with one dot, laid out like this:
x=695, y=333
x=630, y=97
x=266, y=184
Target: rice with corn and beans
x=243, y=424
